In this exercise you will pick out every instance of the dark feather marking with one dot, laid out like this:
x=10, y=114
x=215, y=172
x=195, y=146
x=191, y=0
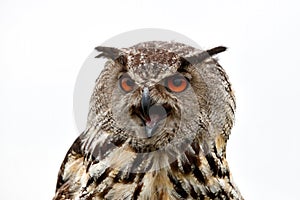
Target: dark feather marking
x=186, y=165
x=211, y=195
x=183, y=64
x=220, y=174
x=129, y=178
x=224, y=194
x=226, y=173
x=177, y=186
x=137, y=191
x=193, y=193
x=118, y=176
x=103, y=176
x=124, y=176
x=212, y=164
x=118, y=140
x=88, y=166
x=198, y=174
x=90, y=196
x=174, y=165
x=196, y=147
x=196, y=195
x=194, y=162
x=90, y=182
x=140, y=177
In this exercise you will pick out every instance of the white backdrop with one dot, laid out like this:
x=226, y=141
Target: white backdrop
x=44, y=43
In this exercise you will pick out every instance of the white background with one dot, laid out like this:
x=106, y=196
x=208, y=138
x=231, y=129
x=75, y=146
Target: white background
x=43, y=45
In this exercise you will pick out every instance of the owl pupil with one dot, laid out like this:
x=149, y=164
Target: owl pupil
x=177, y=82
x=129, y=82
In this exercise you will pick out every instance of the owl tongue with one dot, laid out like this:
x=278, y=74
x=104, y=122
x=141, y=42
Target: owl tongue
x=154, y=118
x=156, y=114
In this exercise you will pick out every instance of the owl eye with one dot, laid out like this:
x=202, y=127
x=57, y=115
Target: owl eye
x=177, y=83
x=126, y=83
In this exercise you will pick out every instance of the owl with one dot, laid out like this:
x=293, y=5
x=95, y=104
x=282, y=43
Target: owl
x=159, y=119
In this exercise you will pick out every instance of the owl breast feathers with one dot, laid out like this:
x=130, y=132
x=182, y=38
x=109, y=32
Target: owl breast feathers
x=159, y=119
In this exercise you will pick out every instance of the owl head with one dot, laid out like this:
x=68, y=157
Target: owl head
x=162, y=95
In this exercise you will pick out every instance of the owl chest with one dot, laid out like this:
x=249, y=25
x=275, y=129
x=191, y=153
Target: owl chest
x=113, y=184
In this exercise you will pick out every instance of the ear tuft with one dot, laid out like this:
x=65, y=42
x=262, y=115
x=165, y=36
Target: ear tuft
x=108, y=52
x=112, y=53
x=198, y=58
x=216, y=50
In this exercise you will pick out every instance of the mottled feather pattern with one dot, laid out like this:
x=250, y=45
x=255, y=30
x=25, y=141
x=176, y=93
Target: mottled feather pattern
x=185, y=156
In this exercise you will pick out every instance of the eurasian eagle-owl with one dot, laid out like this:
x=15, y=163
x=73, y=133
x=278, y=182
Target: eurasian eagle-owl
x=159, y=119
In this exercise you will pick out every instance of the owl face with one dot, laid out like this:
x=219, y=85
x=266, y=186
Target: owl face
x=149, y=102
x=156, y=95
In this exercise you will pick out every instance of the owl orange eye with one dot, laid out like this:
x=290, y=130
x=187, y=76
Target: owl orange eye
x=177, y=83
x=126, y=83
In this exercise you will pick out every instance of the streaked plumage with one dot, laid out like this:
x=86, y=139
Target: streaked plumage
x=160, y=117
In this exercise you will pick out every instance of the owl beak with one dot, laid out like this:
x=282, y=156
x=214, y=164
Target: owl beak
x=152, y=113
x=146, y=103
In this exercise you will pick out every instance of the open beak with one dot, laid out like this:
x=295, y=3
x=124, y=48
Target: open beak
x=152, y=113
